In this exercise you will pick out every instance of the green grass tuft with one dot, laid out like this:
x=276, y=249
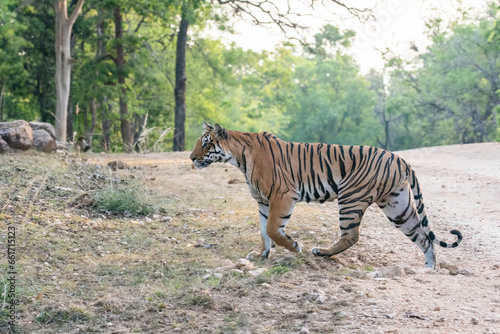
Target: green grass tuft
x=120, y=198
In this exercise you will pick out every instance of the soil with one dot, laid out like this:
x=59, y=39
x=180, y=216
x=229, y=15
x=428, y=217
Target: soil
x=461, y=189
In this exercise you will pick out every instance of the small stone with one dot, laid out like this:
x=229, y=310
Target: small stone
x=242, y=263
x=391, y=272
x=265, y=285
x=237, y=271
x=372, y=275
x=409, y=270
x=227, y=263
x=253, y=255
x=474, y=320
x=453, y=270
x=217, y=275
x=496, y=266
x=256, y=272
x=443, y=272
x=304, y=330
x=320, y=299
x=465, y=272
x=114, y=165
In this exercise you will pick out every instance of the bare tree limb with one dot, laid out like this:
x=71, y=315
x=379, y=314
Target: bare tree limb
x=76, y=12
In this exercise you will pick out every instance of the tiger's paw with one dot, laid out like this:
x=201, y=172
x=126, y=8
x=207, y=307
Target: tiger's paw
x=317, y=252
x=297, y=247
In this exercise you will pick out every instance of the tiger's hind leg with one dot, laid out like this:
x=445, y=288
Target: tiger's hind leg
x=350, y=219
x=399, y=207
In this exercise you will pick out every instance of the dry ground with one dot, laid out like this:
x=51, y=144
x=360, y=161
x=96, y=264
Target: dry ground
x=82, y=271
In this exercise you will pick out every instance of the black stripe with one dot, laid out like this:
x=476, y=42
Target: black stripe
x=350, y=226
x=263, y=215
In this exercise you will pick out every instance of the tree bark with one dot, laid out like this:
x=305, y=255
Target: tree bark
x=64, y=62
x=69, y=121
x=180, y=87
x=106, y=126
x=89, y=130
x=128, y=141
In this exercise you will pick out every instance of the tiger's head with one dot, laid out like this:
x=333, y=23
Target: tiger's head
x=211, y=147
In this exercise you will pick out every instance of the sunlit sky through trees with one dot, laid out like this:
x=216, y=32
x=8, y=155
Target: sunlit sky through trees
x=399, y=25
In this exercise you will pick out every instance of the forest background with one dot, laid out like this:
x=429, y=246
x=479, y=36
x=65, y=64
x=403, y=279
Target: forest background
x=146, y=74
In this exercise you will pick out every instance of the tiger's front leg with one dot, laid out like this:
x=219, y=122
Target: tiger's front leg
x=267, y=243
x=279, y=214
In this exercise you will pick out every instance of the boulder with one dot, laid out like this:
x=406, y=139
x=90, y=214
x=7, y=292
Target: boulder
x=17, y=134
x=43, y=141
x=4, y=147
x=44, y=126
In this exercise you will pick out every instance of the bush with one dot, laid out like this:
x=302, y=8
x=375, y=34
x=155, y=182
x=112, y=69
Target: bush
x=122, y=198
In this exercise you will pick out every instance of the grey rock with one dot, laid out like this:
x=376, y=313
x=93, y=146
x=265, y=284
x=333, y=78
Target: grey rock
x=43, y=141
x=391, y=272
x=44, y=126
x=17, y=134
x=4, y=147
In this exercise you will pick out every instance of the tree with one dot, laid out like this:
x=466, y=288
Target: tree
x=180, y=86
x=64, y=62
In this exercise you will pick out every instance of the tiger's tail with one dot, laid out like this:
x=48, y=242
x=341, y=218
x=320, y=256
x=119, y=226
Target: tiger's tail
x=419, y=203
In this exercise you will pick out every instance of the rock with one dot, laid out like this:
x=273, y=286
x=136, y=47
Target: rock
x=17, y=134
x=409, y=270
x=465, y=272
x=474, y=320
x=253, y=255
x=244, y=264
x=114, y=165
x=320, y=299
x=256, y=272
x=451, y=267
x=227, y=263
x=443, y=272
x=43, y=141
x=372, y=275
x=49, y=128
x=391, y=272
x=304, y=330
x=4, y=147
x=237, y=271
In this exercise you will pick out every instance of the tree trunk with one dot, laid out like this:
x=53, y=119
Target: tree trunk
x=106, y=126
x=69, y=121
x=2, y=98
x=64, y=63
x=180, y=87
x=89, y=130
x=128, y=143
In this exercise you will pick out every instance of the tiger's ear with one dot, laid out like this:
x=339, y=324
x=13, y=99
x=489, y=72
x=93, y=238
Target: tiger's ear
x=220, y=132
x=207, y=126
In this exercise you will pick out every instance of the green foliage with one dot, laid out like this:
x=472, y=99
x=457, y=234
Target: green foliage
x=447, y=94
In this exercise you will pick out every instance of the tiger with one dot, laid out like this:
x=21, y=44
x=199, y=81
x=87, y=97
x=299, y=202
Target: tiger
x=281, y=173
